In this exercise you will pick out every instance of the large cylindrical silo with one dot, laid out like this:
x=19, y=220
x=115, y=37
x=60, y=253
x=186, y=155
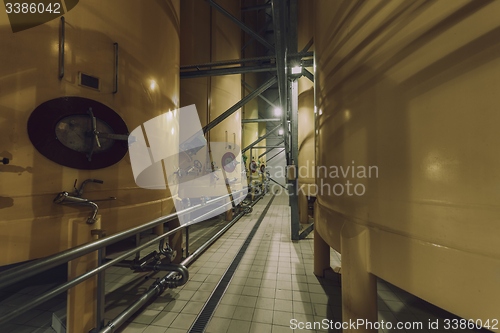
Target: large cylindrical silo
x=103, y=42
x=113, y=64
x=406, y=168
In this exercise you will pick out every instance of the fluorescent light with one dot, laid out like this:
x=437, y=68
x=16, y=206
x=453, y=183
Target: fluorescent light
x=277, y=112
x=280, y=131
x=296, y=70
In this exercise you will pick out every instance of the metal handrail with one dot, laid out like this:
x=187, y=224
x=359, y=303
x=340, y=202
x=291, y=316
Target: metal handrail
x=155, y=290
x=27, y=270
x=44, y=264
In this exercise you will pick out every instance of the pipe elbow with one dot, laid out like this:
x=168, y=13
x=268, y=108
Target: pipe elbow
x=93, y=218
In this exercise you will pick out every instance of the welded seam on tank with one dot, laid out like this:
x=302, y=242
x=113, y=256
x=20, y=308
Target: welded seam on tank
x=206, y=313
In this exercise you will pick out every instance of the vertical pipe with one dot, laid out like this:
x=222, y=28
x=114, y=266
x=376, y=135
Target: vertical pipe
x=293, y=195
x=137, y=242
x=187, y=242
x=62, y=41
x=101, y=293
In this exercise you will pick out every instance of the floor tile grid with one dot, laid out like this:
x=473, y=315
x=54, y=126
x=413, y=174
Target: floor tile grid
x=178, y=308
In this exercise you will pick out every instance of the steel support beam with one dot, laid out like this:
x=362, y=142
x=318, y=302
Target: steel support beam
x=261, y=96
x=260, y=139
x=260, y=120
x=279, y=25
x=239, y=104
x=242, y=25
x=308, y=74
x=279, y=145
x=268, y=159
x=308, y=45
x=276, y=182
x=261, y=147
x=271, y=59
x=257, y=7
x=227, y=71
x=294, y=162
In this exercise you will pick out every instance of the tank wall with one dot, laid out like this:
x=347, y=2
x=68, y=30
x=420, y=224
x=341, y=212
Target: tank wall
x=210, y=38
x=251, y=49
x=306, y=116
x=30, y=223
x=406, y=99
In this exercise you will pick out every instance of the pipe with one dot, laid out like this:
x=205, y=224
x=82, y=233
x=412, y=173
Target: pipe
x=259, y=60
x=132, y=309
x=227, y=71
x=9, y=277
x=64, y=198
x=62, y=42
x=156, y=289
x=79, y=192
x=27, y=270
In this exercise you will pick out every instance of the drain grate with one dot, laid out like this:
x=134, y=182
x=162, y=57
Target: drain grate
x=206, y=313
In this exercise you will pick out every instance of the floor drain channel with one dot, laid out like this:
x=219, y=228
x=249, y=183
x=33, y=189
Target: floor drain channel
x=206, y=313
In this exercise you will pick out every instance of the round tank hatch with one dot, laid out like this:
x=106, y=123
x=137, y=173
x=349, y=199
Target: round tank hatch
x=228, y=162
x=78, y=133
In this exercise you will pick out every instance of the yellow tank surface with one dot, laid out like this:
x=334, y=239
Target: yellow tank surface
x=306, y=118
x=208, y=36
x=122, y=60
x=407, y=162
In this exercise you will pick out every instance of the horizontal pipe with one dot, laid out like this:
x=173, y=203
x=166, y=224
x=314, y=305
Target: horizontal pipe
x=261, y=120
x=259, y=60
x=29, y=269
x=156, y=289
x=65, y=286
x=131, y=310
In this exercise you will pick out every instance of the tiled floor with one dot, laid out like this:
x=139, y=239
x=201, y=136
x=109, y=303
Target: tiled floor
x=272, y=285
